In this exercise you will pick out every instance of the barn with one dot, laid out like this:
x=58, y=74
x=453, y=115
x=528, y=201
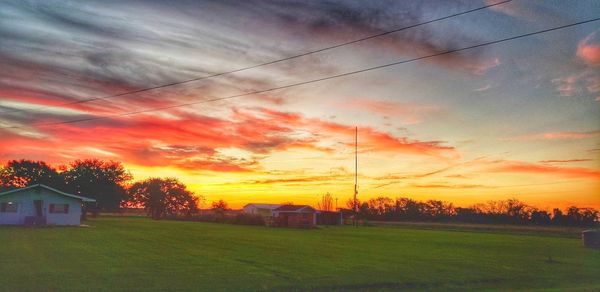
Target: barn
x=264, y=210
x=40, y=205
x=295, y=216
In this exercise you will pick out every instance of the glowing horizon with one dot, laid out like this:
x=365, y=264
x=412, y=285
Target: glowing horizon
x=513, y=120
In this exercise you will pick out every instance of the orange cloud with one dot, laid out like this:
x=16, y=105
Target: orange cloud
x=524, y=167
x=196, y=142
x=565, y=161
x=588, y=50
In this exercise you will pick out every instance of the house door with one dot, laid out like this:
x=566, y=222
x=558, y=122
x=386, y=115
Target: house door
x=38, y=204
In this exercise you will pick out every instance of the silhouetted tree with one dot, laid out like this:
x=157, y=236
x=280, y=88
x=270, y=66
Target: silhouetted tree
x=540, y=217
x=408, y=209
x=511, y=211
x=517, y=211
x=162, y=197
x=353, y=205
x=220, y=207
x=580, y=216
x=101, y=180
x=22, y=173
x=326, y=203
x=380, y=207
x=557, y=217
x=438, y=210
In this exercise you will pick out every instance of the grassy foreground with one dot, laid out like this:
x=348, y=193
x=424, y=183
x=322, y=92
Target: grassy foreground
x=140, y=254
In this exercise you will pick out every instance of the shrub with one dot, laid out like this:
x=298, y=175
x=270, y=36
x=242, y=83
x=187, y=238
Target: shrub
x=240, y=219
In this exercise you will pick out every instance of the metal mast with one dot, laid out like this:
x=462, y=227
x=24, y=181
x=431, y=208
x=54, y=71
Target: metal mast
x=355, y=203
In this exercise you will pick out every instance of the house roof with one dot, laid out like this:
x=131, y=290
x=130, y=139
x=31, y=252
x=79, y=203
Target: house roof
x=295, y=208
x=84, y=199
x=264, y=206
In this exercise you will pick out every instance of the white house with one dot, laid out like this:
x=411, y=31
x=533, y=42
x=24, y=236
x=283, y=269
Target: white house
x=40, y=204
x=260, y=209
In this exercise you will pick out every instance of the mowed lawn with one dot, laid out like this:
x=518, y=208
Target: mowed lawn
x=141, y=254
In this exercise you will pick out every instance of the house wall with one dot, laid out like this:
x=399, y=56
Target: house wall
x=296, y=219
x=329, y=218
x=250, y=209
x=26, y=207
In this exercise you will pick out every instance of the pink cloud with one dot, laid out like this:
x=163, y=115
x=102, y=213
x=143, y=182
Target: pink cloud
x=584, y=83
x=568, y=86
x=484, y=66
x=193, y=141
x=588, y=50
x=588, y=81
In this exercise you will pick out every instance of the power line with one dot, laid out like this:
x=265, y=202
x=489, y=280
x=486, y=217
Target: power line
x=314, y=80
x=270, y=62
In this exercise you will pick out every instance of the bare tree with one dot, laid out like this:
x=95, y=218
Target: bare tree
x=326, y=203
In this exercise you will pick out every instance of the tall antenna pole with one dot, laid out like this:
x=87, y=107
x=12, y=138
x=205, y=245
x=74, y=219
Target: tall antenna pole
x=355, y=202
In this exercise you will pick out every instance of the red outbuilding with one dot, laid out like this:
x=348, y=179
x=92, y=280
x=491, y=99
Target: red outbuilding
x=303, y=216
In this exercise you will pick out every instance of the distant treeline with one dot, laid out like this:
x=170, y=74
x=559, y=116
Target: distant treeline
x=510, y=211
x=114, y=189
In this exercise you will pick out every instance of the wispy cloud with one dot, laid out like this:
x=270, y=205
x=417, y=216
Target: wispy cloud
x=569, y=135
x=449, y=186
x=408, y=113
x=565, y=160
x=544, y=169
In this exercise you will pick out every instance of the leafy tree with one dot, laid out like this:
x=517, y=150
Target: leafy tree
x=102, y=180
x=540, y=217
x=220, y=207
x=22, y=173
x=380, y=206
x=438, y=210
x=353, y=205
x=162, y=197
x=408, y=209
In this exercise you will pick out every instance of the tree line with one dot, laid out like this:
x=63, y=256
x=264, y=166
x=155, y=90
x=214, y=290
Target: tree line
x=114, y=189
x=511, y=211
x=108, y=182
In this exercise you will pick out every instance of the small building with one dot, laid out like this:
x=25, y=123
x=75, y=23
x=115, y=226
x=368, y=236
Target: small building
x=295, y=216
x=265, y=210
x=40, y=205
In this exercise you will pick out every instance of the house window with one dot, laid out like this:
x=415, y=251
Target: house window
x=9, y=207
x=59, y=208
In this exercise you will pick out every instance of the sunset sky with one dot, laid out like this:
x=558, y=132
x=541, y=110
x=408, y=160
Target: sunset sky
x=515, y=119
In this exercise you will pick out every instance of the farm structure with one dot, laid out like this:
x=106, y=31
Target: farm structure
x=264, y=210
x=40, y=205
x=303, y=216
x=289, y=215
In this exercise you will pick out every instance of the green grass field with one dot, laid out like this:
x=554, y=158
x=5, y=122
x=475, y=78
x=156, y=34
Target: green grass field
x=138, y=253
